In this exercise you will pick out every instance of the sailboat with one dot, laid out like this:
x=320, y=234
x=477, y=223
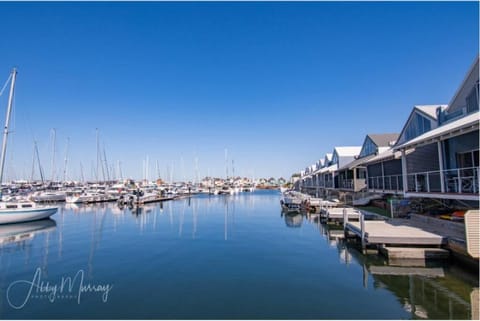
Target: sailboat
x=18, y=211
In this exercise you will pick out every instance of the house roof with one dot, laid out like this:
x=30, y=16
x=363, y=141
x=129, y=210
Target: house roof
x=389, y=153
x=328, y=169
x=430, y=110
x=454, y=128
x=383, y=140
x=329, y=156
x=346, y=151
x=357, y=162
x=473, y=68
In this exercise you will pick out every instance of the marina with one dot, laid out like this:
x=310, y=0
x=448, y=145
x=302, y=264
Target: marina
x=242, y=242
x=240, y=160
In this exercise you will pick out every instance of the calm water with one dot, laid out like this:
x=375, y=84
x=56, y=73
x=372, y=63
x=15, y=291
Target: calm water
x=209, y=257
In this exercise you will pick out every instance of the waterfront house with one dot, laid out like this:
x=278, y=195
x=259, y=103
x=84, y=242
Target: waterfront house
x=443, y=162
x=353, y=176
x=327, y=177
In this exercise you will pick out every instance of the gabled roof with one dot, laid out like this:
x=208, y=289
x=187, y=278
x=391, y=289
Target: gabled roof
x=328, y=169
x=429, y=110
x=328, y=156
x=383, y=140
x=357, y=162
x=348, y=151
x=454, y=128
x=388, y=154
x=473, y=69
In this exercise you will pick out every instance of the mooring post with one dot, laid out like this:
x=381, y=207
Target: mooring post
x=345, y=218
x=362, y=231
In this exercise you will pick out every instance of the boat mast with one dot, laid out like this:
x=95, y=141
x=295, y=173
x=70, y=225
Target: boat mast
x=66, y=161
x=7, y=122
x=96, y=172
x=54, y=138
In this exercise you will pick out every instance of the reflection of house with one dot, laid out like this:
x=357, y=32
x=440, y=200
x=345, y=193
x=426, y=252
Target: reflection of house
x=443, y=162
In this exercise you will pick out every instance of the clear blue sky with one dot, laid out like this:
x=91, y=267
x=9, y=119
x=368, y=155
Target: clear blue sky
x=277, y=84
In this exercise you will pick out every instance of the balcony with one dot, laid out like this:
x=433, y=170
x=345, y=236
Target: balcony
x=353, y=184
x=455, y=181
x=391, y=183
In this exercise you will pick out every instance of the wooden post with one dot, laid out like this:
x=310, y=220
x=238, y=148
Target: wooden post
x=440, y=163
x=345, y=218
x=404, y=172
x=362, y=229
x=459, y=181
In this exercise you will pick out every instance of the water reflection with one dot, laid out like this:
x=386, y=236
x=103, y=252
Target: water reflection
x=293, y=220
x=19, y=234
x=427, y=290
x=184, y=257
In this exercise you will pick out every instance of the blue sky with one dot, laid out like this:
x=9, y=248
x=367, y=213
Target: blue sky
x=276, y=84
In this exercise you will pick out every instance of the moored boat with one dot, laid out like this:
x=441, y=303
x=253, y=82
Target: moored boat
x=18, y=211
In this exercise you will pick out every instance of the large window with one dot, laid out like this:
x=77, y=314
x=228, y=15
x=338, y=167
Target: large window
x=472, y=100
x=368, y=148
x=335, y=158
x=468, y=159
x=417, y=126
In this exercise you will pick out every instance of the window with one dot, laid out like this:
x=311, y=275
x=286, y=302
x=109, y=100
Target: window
x=335, y=158
x=468, y=159
x=472, y=100
x=417, y=126
x=368, y=148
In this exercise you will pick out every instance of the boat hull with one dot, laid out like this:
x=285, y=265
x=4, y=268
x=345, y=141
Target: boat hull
x=25, y=215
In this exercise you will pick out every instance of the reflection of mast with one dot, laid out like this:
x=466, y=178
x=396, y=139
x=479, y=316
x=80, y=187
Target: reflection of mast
x=60, y=233
x=170, y=213
x=95, y=239
x=225, y=228
x=182, y=217
x=194, y=213
x=45, y=255
x=155, y=211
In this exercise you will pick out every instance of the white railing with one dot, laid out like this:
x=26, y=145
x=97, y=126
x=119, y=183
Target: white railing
x=353, y=184
x=346, y=183
x=386, y=183
x=459, y=180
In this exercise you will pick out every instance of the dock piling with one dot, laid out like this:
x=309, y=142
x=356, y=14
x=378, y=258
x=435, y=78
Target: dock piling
x=362, y=230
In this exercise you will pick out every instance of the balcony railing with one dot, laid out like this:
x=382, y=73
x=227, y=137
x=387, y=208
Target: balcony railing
x=386, y=183
x=460, y=180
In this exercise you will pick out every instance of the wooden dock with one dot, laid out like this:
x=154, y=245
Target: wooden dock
x=337, y=214
x=392, y=233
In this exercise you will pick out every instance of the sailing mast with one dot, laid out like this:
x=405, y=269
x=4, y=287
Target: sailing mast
x=66, y=161
x=7, y=122
x=54, y=134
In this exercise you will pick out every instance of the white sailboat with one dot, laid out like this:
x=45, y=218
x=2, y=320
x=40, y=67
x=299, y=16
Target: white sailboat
x=18, y=211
